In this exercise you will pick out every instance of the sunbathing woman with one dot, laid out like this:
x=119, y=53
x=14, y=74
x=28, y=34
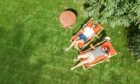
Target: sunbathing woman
x=82, y=37
x=92, y=55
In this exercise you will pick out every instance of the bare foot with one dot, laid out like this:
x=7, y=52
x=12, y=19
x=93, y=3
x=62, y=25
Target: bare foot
x=71, y=40
x=67, y=49
x=75, y=59
x=72, y=68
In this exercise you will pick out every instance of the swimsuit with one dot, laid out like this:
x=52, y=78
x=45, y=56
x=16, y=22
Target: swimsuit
x=88, y=32
x=98, y=52
x=94, y=54
x=83, y=37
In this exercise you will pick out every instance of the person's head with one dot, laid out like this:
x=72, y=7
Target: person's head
x=94, y=25
x=107, y=49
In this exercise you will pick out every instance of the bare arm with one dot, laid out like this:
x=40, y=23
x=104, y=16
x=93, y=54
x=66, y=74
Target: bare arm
x=107, y=57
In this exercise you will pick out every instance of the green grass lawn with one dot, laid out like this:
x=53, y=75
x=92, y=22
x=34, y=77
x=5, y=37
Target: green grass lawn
x=32, y=45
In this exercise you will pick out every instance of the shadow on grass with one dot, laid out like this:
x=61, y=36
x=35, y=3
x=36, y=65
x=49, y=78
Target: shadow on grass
x=15, y=52
x=133, y=42
x=72, y=10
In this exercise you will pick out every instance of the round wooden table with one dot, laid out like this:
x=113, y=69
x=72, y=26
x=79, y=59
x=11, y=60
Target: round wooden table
x=67, y=18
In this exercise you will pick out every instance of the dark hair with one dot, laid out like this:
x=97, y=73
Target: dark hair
x=107, y=49
x=94, y=25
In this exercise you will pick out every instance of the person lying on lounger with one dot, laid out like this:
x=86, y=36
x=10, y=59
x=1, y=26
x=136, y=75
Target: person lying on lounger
x=92, y=55
x=82, y=37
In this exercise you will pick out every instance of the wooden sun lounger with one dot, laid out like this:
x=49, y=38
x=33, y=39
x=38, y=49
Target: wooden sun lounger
x=101, y=59
x=97, y=30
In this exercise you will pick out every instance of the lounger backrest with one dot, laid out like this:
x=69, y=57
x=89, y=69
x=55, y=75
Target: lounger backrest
x=89, y=24
x=96, y=29
x=108, y=44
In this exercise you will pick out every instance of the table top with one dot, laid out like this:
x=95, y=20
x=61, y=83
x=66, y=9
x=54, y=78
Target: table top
x=67, y=18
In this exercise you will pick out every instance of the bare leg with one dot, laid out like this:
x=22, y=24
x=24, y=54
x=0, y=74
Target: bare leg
x=77, y=44
x=72, y=44
x=82, y=56
x=76, y=47
x=78, y=65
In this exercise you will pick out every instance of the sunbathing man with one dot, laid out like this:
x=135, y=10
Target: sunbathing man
x=92, y=55
x=82, y=37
